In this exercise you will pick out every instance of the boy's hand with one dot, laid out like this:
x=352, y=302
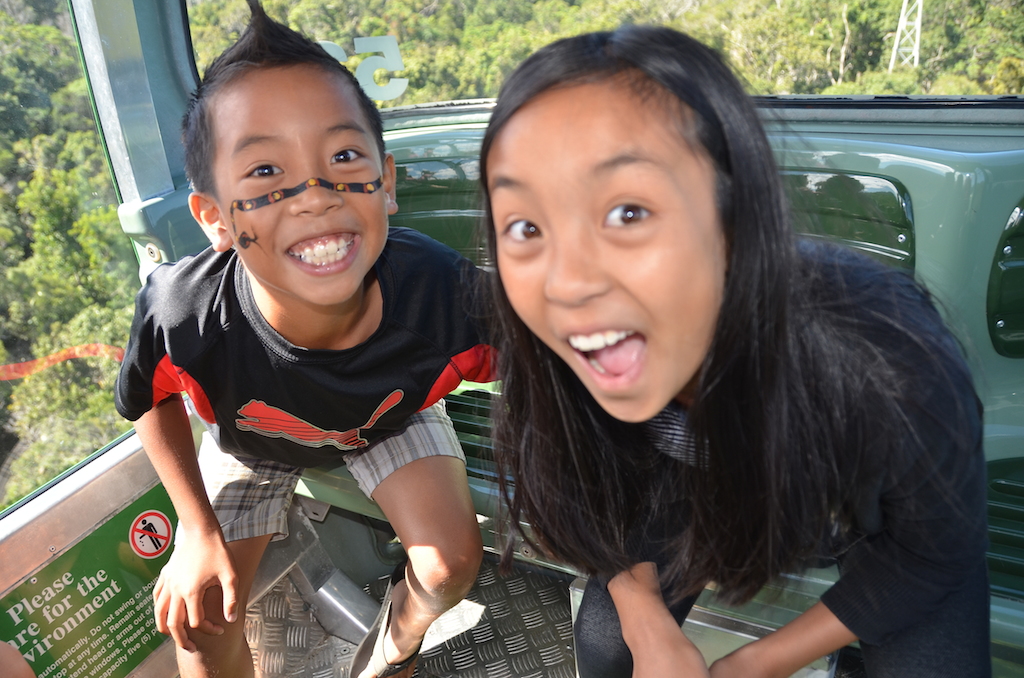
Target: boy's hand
x=198, y=564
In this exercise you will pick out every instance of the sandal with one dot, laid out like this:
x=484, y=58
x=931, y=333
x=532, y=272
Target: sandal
x=371, y=649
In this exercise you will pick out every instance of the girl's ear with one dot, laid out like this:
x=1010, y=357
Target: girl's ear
x=389, y=179
x=206, y=211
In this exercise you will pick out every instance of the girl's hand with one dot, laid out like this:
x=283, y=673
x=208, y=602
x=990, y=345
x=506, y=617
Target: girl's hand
x=738, y=665
x=199, y=563
x=652, y=635
x=815, y=633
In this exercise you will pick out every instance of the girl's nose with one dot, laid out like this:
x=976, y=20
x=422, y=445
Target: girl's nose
x=574, y=274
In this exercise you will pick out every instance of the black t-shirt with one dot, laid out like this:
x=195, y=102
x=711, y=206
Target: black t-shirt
x=919, y=516
x=197, y=329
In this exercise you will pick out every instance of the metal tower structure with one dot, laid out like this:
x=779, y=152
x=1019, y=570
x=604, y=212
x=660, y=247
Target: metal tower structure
x=907, y=46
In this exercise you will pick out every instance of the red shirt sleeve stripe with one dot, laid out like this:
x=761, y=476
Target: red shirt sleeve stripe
x=169, y=379
x=476, y=364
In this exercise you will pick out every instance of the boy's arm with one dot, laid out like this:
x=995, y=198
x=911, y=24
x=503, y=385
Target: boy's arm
x=200, y=559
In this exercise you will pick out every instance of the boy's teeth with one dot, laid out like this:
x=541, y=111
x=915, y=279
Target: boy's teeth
x=324, y=251
x=585, y=343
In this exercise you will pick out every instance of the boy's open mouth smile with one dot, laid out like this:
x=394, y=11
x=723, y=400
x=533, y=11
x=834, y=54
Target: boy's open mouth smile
x=323, y=250
x=611, y=352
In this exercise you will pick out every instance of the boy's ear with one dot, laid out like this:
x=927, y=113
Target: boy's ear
x=388, y=176
x=206, y=211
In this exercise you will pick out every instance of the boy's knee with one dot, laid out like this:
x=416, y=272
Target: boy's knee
x=445, y=577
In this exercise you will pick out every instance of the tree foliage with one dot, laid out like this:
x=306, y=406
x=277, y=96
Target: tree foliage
x=67, y=272
x=465, y=48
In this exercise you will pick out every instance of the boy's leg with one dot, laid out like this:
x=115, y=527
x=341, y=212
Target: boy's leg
x=227, y=655
x=425, y=496
x=250, y=498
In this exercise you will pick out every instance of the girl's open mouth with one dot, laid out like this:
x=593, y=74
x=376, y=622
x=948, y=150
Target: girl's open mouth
x=612, y=352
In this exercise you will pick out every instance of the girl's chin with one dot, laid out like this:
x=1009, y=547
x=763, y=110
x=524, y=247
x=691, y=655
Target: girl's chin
x=625, y=399
x=629, y=410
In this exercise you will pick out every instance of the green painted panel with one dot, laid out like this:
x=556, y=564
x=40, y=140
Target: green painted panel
x=89, y=612
x=1005, y=302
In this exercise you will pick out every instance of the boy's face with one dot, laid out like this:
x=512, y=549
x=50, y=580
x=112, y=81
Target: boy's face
x=609, y=242
x=275, y=129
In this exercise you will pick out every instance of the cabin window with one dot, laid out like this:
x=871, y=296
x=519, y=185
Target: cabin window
x=67, y=272
x=841, y=48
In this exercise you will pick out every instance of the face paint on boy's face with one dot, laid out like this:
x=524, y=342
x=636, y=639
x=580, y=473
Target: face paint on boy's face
x=619, y=266
x=274, y=128
x=244, y=240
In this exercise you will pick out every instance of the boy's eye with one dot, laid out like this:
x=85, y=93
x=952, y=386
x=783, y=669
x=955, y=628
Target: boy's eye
x=348, y=155
x=265, y=171
x=522, y=230
x=623, y=215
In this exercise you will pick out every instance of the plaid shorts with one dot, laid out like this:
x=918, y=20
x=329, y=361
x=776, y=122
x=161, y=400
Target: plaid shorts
x=250, y=497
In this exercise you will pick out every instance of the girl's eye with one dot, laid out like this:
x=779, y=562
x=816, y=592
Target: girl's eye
x=348, y=155
x=522, y=230
x=265, y=171
x=624, y=215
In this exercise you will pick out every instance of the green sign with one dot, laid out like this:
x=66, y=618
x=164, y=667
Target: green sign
x=89, y=613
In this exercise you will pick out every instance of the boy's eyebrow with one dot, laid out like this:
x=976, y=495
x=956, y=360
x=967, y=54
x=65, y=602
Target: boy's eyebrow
x=254, y=139
x=347, y=127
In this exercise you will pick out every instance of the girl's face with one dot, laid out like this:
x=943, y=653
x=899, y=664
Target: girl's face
x=608, y=240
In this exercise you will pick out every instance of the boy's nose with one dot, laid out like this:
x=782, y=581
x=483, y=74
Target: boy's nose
x=574, y=274
x=316, y=200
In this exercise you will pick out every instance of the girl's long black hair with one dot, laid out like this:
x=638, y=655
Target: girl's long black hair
x=803, y=398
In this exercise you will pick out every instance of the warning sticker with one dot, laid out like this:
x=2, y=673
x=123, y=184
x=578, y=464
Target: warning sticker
x=150, y=534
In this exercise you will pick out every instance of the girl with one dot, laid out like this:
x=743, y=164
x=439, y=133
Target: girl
x=692, y=395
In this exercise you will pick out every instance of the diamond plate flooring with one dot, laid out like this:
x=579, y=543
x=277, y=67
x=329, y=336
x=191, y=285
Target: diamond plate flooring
x=512, y=626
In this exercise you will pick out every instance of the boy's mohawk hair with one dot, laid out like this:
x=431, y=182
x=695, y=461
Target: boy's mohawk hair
x=265, y=43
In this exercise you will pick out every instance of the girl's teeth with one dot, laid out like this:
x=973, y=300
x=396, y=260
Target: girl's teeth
x=597, y=366
x=585, y=343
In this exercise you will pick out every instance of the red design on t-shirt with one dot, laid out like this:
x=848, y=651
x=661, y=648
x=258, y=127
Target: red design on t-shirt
x=272, y=422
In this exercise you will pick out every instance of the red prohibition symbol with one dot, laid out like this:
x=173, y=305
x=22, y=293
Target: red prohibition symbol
x=150, y=534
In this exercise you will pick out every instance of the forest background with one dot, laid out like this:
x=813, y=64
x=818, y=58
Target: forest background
x=68, y=274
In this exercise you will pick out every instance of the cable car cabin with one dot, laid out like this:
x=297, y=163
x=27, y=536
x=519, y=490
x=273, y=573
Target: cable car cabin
x=931, y=184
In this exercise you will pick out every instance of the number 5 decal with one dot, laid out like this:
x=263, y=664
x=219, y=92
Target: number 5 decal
x=391, y=61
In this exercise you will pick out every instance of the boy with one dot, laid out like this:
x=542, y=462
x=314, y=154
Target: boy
x=307, y=331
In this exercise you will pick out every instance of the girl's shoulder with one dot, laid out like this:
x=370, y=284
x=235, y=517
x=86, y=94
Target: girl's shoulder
x=833, y=270
x=851, y=308
x=849, y=288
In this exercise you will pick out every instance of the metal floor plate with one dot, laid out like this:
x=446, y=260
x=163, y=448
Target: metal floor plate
x=514, y=626
x=286, y=640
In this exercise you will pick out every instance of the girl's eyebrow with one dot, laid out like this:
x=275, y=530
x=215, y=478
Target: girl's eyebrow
x=506, y=182
x=603, y=167
x=620, y=160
